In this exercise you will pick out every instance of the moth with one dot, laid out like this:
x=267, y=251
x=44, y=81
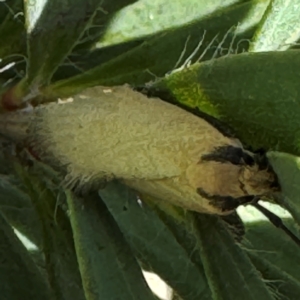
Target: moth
x=152, y=146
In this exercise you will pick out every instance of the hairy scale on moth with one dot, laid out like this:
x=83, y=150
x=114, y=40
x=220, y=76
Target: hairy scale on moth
x=152, y=146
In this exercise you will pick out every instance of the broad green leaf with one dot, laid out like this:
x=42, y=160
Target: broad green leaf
x=230, y=273
x=283, y=285
x=12, y=45
x=287, y=168
x=49, y=35
x=174, y=258
x=19, y=276
x=279, y=28
x=257, y=94
x=4, y=9
x=100, y=24
x=108, y=268
x=12, y=32
x=153, y=16
x=268, y=242
x=57, y=241
x=16, y=207
x=163, y=52
x=53, y=29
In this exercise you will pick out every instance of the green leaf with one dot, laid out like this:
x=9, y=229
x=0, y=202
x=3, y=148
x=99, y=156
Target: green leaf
x=13, y=44
x=272, y=244
x=16, y=207
x=86, y=54
x=279, y=28
x=101, y=23
x=12, y=31
x=175, y=259
x=153, y=16
x=108, y=268
x=57, y=240
x=19, y=276
x=283, y=285
x=229, y=271
x=161, y=53
x=287, y=168
x=53, y=28
x=257, y=94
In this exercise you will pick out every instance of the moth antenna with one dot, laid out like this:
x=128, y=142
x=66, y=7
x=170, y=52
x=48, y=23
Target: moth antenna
x=276, y=221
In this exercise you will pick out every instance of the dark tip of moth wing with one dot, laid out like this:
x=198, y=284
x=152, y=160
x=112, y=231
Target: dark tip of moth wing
x=225, y=154
x=225, y=203
x=262, y=160
x=263, y=163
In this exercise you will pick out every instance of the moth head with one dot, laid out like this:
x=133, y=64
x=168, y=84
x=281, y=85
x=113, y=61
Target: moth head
x=230, y=176
x=256, y=180
x=256, y=176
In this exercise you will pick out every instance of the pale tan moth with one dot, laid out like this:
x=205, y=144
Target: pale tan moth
x=152, y=146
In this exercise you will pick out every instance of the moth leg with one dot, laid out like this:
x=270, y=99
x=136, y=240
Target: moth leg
x=276, y=221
